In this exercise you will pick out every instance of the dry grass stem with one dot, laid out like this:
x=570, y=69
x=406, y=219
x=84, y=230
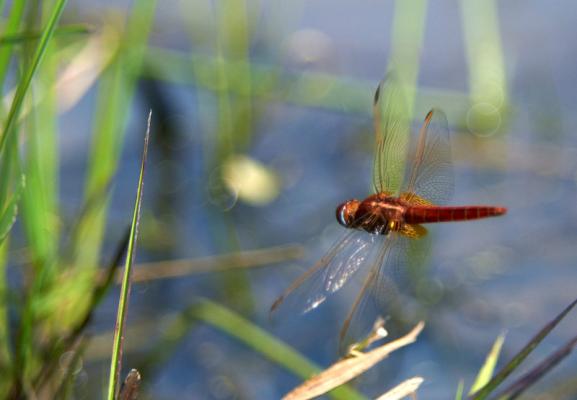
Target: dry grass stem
x=246, y=259
x=349, y=368
x=403, y=389
x=377, y=333
x=130, y=386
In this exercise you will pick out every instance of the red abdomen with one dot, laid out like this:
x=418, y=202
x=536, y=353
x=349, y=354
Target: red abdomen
x=428, y=214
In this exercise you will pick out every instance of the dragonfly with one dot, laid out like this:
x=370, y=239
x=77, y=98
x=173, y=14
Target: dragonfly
x=382, y=226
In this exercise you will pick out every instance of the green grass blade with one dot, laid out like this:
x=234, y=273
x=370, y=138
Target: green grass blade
x=8, y=214
x=5, y=340
x=485, y=59
x=22, y=89
x=9, y=169
x=407, y=42
x=531, y=377
x=521, y=355
x=115, y=92
x=12, y=26
x=11, y=185
x=125, y=288
x=233, y=131
x=486, y=371
x=40, y=197
x=22, y=37
x=51, y=359
x=262, y=342
x=460, y=390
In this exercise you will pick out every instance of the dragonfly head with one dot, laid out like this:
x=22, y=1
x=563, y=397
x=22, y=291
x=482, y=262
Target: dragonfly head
x=346, y=212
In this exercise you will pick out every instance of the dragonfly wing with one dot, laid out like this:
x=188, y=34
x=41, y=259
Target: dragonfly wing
x=431, y=177
x=358, y=321
x=413, y=231
x=330, y=274
x=392, y=127
x=382, y=291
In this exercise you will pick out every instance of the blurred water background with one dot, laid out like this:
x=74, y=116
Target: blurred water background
x=262, y=125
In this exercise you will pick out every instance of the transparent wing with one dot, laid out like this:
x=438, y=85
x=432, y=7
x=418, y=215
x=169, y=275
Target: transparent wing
x=392, y=128
x=330, y=274
x=382, y=292
x=430, y=176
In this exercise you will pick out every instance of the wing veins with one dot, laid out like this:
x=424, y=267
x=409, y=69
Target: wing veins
x=369, y=280
x=323, y=263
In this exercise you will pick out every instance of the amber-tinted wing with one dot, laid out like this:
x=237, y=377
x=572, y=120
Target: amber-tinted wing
x=330, y=274
x=413, y=231
x=392, y=127
x=430, y=177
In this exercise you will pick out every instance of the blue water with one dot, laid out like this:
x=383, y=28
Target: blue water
x=513, y=274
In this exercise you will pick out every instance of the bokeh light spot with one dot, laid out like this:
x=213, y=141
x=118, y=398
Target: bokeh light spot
x=253, y=182
x=483, y=119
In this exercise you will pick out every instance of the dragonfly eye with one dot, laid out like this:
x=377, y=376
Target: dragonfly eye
x=346, y=212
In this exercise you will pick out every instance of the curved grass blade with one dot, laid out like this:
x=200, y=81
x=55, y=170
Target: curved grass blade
x=12, y=182
x=52, y=356
x=460, y=390
x=47, y=33
x=21, y=37
x=115, y=363
x=8, y=214
x=519, y=386
x=520, y=356
x=115, y=92
x=10, y=26
x=262, y=342
x=486, y=371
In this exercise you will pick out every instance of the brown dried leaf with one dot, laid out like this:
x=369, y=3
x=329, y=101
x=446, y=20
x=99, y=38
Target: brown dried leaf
x=403, y=389
x=349, y=368
x=130, y=386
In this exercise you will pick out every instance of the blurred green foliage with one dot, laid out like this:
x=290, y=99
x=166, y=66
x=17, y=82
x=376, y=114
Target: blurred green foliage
x=44, y=315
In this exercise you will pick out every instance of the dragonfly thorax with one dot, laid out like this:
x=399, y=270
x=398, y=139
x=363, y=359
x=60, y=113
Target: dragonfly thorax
x=377, y=214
